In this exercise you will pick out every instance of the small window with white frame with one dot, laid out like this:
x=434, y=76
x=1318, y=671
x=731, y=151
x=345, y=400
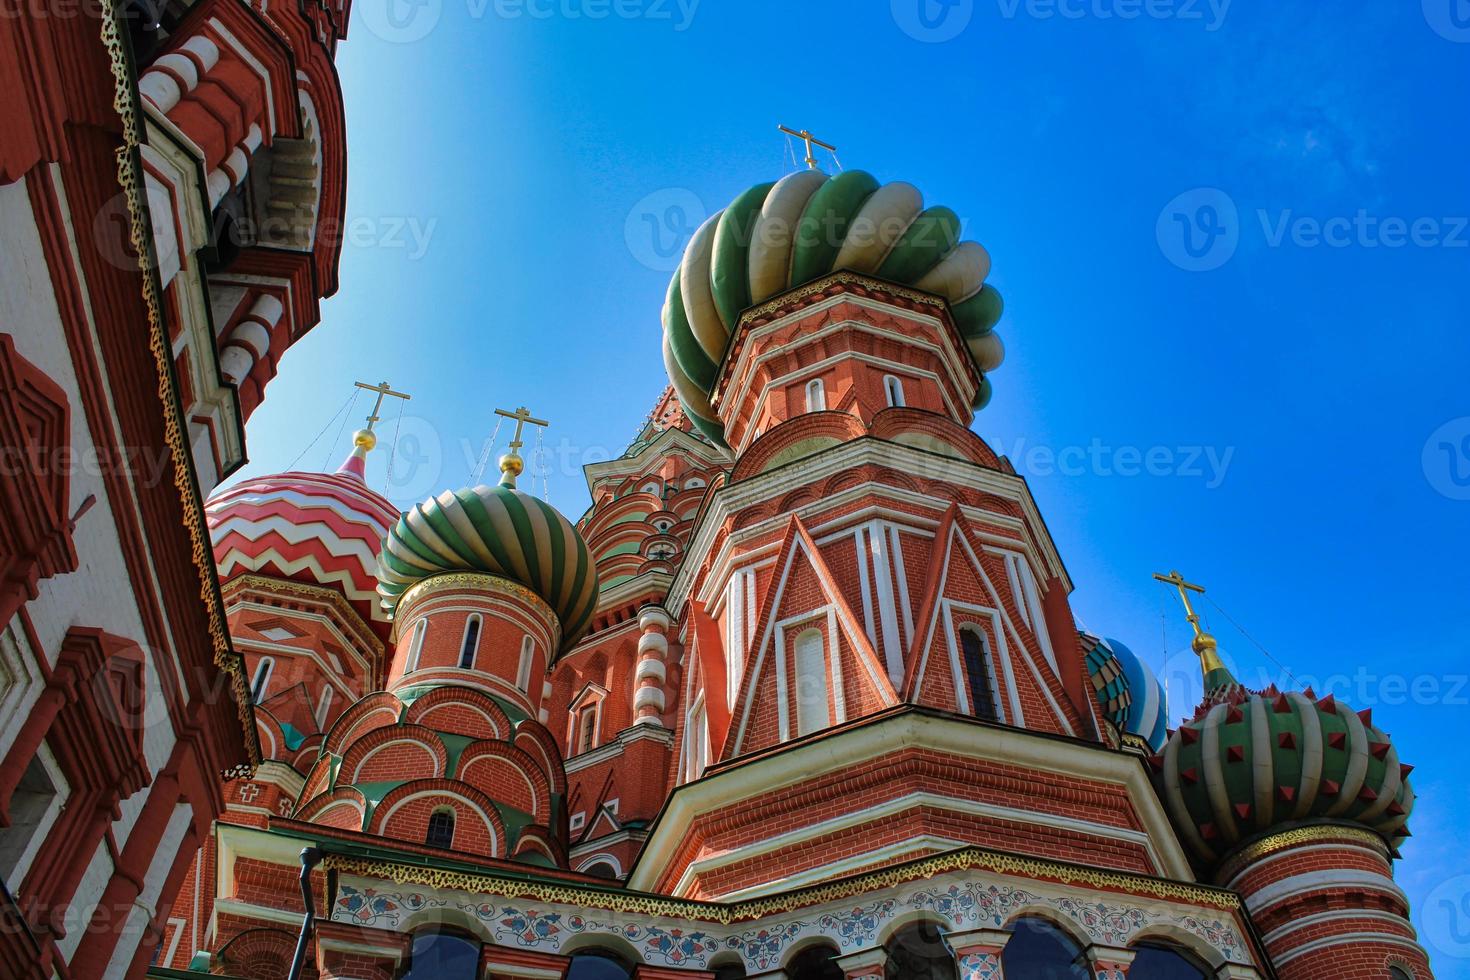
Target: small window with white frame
x=893, y=390
x=816, y=396
x=470, y=645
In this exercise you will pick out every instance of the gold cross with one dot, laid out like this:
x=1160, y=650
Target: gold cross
x=1185, y=588
x=382, y=389
x=522, y=415
x=809, y=139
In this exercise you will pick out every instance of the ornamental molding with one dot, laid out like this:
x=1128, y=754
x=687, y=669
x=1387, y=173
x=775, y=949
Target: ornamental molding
x=855, y=913
x=475, y=582
x=303, y=594
x=140, y=232
x=1300, y=837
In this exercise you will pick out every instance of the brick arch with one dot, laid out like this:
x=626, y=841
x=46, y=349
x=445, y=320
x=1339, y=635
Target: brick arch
x=370, y=712
x=508, y=775
x=403, y=814
x=268, y=731
x=344, y=808
x=460, y=711
x=263, y=953
x=891, y=423
x=385, y=753
x=532, y=738
x=306, y=753
x=536, y=839
x=830, y=427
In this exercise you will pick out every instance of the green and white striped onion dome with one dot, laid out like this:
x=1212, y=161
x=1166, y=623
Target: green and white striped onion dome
x=1252, y=763
x=780, y=235
x=498, y=531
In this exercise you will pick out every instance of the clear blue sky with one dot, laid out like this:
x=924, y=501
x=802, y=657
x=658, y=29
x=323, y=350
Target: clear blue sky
x=1312, y=367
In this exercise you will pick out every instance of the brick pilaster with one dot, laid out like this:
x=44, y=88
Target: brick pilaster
x=653, y=648
x=867, y=965
x=1108, y=962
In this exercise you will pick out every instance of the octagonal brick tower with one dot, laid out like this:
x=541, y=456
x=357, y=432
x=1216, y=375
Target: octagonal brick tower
x=877, y=643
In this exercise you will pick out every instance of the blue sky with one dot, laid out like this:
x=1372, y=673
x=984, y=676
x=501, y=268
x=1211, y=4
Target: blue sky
x=1231, y=237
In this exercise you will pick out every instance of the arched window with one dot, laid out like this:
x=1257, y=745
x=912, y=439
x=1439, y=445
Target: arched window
x=730, y=971
x=262, y=678
x=649, y=488
x=443, y=954
x=599, y=964
x=812, y=711
x=1160, y=962
x=601, y=870
x=919, y=952
x=1041, y=950
x=979, y=684
x=523, y=669
x=893, y=388
x=471, y=642
x=323, y=706
x=441, y=829
x=416, y=646
x=586, y=728
x=816, y=963
x=816, y=396
x=1396, y=972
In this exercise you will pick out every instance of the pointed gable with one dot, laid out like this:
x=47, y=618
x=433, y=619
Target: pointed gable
x=803, y=595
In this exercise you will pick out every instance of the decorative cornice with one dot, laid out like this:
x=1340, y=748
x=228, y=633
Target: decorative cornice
x=315, y=593
x=642, y=903
x=130, y=179
x=1299, y=837
x=480, y=582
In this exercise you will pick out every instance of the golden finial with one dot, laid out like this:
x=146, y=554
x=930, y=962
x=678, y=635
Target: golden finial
x=366, y=439
x=1203, y=643
x=511, y=464
x=810, y=141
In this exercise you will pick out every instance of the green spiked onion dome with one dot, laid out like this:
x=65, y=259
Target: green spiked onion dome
x=775, y=237
x=498, y=531
x=1251, y=763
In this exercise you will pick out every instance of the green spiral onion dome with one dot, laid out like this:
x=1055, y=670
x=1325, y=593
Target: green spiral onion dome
x=499, y=531
x=777, y=236
x=1255, y=762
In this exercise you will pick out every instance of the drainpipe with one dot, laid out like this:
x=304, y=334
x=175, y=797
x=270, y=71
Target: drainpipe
x=310, y=858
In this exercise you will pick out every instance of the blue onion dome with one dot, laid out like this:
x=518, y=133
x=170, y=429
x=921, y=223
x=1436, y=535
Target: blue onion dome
x=498, y=531
x=1109, y=685
x=1147, y=714
x=777, y=236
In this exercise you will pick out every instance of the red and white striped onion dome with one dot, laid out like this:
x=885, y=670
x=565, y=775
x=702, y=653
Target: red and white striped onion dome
x=318, y=528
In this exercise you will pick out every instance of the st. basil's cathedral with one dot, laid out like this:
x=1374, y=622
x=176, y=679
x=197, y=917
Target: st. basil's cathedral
x=800, y=696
